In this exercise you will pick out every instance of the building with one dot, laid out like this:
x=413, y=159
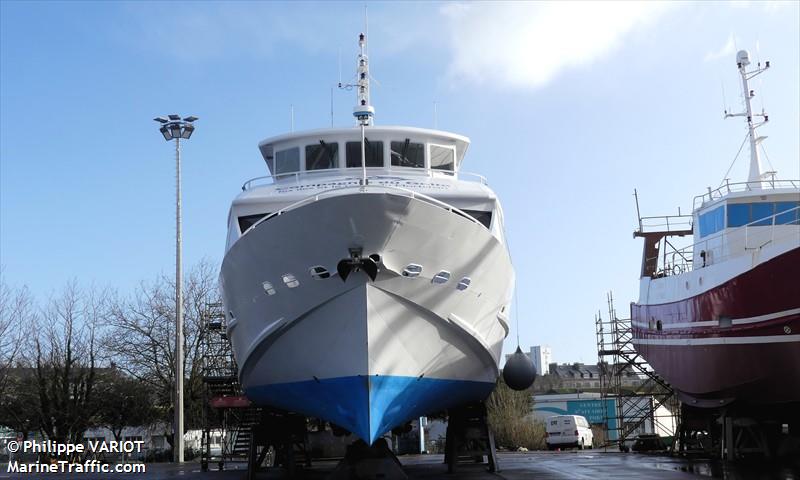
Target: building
x=604, y=412
x=541, y=356
x=578, y=376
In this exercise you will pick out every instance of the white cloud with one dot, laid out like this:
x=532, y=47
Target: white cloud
x=528, y=44
x=727, y=50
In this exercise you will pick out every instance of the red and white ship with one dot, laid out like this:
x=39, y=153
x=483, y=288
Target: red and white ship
x=720, y=318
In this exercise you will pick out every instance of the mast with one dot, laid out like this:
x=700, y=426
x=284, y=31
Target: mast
x=363, y=111
x=742, y=61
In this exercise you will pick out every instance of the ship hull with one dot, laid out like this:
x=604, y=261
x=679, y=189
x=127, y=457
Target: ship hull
x=738, y=341
x=367, y=355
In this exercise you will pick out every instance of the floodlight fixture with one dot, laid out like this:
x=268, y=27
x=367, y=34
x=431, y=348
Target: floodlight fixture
x=175, y=129
x=161, y=119
x=188, y=129
x=190, y=118
x=166, y=132
x=174, y=116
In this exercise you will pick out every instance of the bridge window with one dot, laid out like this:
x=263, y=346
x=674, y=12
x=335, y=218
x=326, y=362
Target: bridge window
x=738, y=214
x=408, y=154
x=443, y=158
x=287, y=161
x=373, y=150
x=790, y=217
x=712, y=222
x=485, y=218
x=322, y=156
x=761, y=213
x=247, y=221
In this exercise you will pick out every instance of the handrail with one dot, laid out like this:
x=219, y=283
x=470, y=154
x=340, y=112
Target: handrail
x=685, y=262
x=723, y=190
x=677, y=223
x=339, y=172
x=364, y=188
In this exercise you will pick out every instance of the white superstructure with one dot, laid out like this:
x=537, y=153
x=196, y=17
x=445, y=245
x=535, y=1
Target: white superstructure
x=367, y=279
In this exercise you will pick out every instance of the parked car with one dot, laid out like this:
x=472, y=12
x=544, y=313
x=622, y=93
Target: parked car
x=649, y=442
x=566, y=431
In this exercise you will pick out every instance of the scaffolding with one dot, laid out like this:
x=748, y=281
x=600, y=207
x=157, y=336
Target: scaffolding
x=228, y=417
x=637, y=391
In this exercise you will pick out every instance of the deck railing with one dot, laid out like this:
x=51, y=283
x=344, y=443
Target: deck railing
x=729, y=242
x=367, y=188
x=728, y=187
x=373, y=173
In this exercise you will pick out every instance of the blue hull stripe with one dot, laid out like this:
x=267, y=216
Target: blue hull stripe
x=369, y=406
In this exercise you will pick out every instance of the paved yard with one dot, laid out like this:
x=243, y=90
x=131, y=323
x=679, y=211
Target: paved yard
x=588, y=465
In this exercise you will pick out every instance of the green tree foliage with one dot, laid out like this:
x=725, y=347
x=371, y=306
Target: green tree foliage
x=124, y=402
x=511, y=418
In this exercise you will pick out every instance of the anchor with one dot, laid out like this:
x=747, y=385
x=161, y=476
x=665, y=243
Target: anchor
x=356, y=262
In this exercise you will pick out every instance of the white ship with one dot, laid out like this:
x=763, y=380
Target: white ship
x=367, y=280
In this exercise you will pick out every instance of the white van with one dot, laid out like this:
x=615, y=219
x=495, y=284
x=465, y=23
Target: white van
x=568, y=431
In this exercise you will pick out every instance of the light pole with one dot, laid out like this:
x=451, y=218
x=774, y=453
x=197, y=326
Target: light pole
x=176, y=128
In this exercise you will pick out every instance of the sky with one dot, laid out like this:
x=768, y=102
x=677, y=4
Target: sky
x=569, y=106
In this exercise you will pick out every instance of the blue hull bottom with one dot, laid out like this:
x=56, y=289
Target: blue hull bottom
x=369, y=406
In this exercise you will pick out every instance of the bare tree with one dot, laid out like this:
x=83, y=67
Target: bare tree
x=64, y=352
x=16, y=314
x=142, y=333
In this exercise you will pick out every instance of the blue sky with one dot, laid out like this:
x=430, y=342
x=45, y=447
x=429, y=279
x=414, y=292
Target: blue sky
x=569, y=108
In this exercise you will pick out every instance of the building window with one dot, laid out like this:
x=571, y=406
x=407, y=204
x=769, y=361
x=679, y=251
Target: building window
x=373, y=150
x=407, y=154
x=322, y=156
x=443, y=158
x=287, y=161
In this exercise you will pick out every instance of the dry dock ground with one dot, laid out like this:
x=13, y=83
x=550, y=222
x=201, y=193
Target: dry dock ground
x=590, y=465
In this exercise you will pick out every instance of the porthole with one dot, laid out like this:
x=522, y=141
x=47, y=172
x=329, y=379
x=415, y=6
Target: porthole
x=268, y=288
x=463, y=284
x=412, y=270
x=290, y=280
x=441, y=277
x=319, y=272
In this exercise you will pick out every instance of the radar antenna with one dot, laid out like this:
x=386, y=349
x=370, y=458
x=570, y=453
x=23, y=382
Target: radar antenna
x=742, y=61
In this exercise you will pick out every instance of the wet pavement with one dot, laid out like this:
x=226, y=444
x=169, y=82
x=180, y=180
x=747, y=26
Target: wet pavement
x=593, y=465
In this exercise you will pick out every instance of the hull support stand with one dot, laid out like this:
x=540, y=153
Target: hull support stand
x=277, y=440
x=369, y=462
x=469, y=438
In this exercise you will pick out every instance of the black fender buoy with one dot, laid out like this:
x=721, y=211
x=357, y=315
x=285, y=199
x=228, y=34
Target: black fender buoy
x=519, y=372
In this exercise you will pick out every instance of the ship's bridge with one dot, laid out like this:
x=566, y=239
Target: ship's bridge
x=335, y=150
